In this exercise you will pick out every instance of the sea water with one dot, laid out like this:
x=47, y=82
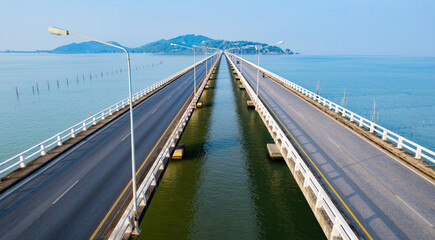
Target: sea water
x=43, y=94
x=396, y=92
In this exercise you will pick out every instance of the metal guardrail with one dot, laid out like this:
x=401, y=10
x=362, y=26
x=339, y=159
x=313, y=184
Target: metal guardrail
x=401, y=142
x=125, y=224
x=340, y=228
x=20, y=160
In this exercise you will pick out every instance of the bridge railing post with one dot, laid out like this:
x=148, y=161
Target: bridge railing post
x=59, y=140
x=399, y=142
x=22, y=163
x=42, y=150
x=372, y=127
x=384, y=134
x=418, y=153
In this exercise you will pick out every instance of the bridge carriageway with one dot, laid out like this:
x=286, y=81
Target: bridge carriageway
x=78, y=193
x=379, y=195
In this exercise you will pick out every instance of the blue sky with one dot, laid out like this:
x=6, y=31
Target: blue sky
x=375, y=27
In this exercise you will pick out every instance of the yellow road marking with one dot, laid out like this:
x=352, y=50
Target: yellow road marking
x=321, y=174
x=140, y=168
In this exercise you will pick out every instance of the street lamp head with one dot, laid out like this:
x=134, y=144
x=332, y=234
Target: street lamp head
x=280, y=42
x=57, y=31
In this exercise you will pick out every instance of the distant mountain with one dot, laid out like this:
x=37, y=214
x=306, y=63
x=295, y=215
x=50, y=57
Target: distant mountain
x=87, y=47
x=163, y=46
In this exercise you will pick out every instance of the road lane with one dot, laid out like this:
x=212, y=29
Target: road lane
x=372, y=182
x=70, y=198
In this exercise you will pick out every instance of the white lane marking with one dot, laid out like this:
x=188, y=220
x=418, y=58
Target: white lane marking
x=300, y=114
x=424, y=219
x=154, y=111
x=169, y=96
x=63, y=194
x=125, y=137
x=333, y=142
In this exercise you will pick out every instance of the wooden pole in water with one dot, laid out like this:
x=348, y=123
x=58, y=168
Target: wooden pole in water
x=374, y=110
x=343, y=101
x=33, y=89
x=48, y=85
x=16, y=90
x=37, y=87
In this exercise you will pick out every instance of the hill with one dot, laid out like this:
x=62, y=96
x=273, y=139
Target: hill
x=163, y=46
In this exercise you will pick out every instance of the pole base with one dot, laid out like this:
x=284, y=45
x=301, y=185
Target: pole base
x=136, y=231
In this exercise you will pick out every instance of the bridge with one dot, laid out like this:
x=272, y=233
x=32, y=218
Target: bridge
x=80, y=179
x=341, y=171
x=77, y=184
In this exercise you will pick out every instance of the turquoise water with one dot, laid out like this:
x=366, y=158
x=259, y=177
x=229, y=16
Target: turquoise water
x=35, y=116
x=402, y=87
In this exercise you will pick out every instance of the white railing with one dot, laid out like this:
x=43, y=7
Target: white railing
x=401, y=142
x=20, y=160
x=124, y=225
x=340, y=228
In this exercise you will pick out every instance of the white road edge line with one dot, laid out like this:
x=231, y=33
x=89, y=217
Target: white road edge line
x=154, y=111
x=125, y=137
x=424, y=219
x=63, y=194
x=333, y=142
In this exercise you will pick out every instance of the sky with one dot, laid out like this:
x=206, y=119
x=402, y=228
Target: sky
x=354, y=27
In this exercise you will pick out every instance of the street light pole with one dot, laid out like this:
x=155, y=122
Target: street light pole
x=206, y=54
x=194, y=67
x=58, y=31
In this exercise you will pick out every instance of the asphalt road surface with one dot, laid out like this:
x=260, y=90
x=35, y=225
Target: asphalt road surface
x=389, y=199
x=70, y=197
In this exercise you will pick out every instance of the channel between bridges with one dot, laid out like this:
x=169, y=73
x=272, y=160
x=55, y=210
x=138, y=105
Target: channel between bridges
x=83, y=190
x=378, y=195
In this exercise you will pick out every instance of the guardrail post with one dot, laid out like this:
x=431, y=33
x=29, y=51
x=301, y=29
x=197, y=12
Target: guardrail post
x=42, y=150
x=103, y=116
x=361, y=121
x=372, y=127
x=93, y=121
x=22, y=163
x=330, y=105
x=384, y=134
x=418, y=153
x=73, y=133
x=351, y=116
x=336, y=108
x=344, y=112
x=84, y=126
x=110, y=111
x=319, y=200
x=400, y=143
x=59, y=140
